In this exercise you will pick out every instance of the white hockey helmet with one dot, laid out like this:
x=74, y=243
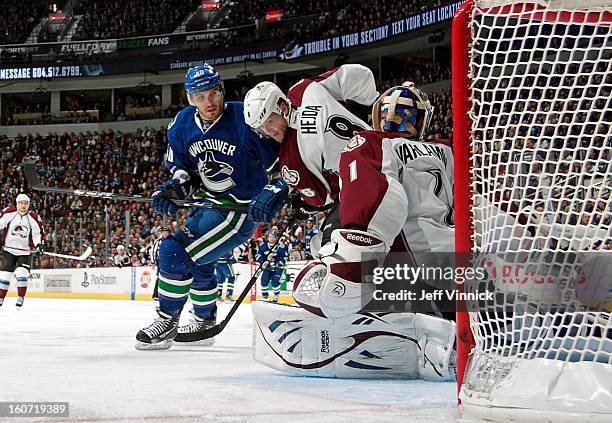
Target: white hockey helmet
x=22, y=197
x=261, y=101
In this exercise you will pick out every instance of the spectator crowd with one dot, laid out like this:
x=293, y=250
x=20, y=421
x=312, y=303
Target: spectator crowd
x=246, y=21
x=129, y=163
x=18, y=19
x=130, y=18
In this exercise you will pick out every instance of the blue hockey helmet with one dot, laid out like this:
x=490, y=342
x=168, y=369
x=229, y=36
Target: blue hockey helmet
x=403, y=108
x=202, y=78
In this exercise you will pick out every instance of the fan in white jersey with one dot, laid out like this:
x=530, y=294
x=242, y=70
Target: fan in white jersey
x=22, y=235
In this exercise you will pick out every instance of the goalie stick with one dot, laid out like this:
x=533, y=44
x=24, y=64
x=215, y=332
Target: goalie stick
x=31, y=174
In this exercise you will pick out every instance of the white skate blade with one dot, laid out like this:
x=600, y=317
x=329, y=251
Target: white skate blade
x=203, y=343
x=163, y=345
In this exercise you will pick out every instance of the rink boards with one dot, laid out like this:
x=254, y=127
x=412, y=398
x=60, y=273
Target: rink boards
x=131, y=283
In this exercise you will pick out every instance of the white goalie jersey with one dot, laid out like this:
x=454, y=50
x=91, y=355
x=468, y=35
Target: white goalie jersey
x=401, y=186
x=320, y=126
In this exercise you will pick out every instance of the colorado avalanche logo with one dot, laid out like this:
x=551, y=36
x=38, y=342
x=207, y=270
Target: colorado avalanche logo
x=211, y=170
x=20, y=231
x=354, y=143
x=292, y=177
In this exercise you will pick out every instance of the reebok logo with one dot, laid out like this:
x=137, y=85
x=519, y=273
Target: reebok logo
x=324, y=341
x=360, y=239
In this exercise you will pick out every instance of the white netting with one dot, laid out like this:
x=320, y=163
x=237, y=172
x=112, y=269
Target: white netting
x=310, y=283
x=541, y=167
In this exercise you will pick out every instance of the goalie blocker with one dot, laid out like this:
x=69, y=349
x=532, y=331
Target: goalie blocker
x=363, y=345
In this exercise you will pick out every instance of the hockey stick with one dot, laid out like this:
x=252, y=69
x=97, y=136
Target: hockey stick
x=82, y=257
x=216, y=330
x=29, y=169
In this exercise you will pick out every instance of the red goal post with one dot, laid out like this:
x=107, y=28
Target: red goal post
x=533, y=147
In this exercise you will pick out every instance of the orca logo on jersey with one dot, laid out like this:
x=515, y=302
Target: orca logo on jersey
x=342, y=127
x=210, y=169
x=292, y=177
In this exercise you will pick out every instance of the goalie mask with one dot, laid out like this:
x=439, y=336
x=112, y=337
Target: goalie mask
x=403, y=108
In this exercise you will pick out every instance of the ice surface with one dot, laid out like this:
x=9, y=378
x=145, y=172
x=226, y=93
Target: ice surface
x=82, y=351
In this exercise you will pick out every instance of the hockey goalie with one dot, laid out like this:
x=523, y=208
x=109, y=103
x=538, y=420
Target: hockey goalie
x=395, y=195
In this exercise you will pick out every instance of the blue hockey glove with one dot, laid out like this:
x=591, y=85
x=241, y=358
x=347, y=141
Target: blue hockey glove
x=163, y=195
x=269, y=201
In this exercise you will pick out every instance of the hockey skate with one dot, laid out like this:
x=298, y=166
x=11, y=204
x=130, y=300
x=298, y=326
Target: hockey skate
x=19, y=303
x=159, y=334
x=1, y=301
x=192, y=332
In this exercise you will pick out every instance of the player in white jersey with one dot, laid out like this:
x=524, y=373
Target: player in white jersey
x=391, y=345
x=22, y=235
x=397, y=195
x=313, y=123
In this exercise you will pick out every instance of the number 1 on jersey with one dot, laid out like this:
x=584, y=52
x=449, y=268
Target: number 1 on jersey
x=353, y=170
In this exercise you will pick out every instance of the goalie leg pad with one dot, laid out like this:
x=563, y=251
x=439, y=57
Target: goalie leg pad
x=363, y=345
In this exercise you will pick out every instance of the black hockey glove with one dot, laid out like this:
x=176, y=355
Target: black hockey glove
x=302, y=210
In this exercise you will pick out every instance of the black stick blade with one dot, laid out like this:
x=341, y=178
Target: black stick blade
x=29, y=169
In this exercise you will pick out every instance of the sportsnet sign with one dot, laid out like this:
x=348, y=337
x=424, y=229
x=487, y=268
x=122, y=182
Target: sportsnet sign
x=392, y=29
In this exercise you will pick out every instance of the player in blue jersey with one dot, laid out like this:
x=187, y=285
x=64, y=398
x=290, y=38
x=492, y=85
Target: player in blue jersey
x=274, y=271
x=225, y=273
x=213, y=156
x=311, y=231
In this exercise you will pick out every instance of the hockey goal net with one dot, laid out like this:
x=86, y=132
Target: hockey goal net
x=532, y=100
